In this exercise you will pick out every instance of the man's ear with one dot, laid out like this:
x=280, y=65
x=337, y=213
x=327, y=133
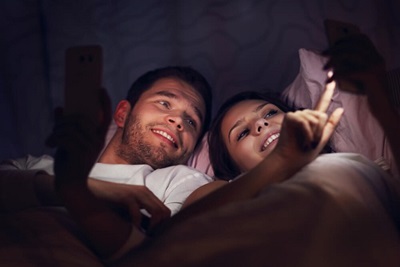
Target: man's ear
x=121, y=113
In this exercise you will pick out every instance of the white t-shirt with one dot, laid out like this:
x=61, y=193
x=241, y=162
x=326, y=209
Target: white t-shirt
x=172, y=185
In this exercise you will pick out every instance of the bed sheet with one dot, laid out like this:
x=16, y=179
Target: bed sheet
x=339, y=211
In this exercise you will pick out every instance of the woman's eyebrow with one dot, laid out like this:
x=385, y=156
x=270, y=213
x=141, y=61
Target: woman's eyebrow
x=240, y=121
x=174, y=96
x=258, y=108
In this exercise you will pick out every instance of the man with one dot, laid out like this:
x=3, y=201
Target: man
x=158, y=126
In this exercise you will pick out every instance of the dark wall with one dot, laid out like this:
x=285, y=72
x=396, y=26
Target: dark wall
x=238, y=45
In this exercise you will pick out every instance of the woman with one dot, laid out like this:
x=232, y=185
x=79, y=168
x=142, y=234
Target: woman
x=258, y=134
x=229, y=163
x=245, y=138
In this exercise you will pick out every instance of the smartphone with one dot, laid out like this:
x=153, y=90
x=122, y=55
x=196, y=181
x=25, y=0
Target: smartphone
x=83, y=78
x=335, y=31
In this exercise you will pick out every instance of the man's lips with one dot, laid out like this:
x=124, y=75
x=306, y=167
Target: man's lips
x=269, y=140
x=167, y=136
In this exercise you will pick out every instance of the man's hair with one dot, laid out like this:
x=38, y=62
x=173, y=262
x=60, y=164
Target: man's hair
x=223, y=165
x=183, y=73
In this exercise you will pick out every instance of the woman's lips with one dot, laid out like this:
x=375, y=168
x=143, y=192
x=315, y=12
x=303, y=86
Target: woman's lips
x=269, y=140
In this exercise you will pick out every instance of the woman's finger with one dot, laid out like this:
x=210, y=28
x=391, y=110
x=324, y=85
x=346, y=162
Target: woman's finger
x=326, y=97
x=330, y=126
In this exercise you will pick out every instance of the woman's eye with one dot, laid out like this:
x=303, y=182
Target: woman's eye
x=270, y=113
x=242, y=134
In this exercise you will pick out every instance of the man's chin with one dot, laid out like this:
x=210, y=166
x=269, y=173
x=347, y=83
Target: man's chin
x=163, y=162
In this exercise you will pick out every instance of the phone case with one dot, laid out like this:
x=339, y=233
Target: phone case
x=336, y=30
x=83, y=71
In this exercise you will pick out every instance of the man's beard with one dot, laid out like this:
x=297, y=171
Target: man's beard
x=135, y=150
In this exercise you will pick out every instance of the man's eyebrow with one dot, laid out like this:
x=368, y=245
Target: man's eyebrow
x=174, y=96
x=167, y=94
x=240, y=121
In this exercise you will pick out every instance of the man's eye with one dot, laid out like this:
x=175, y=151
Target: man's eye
x=242, y=134
x=271, y=113
x=164, y=103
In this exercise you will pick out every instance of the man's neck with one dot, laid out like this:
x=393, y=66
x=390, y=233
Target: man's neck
x=109, y=155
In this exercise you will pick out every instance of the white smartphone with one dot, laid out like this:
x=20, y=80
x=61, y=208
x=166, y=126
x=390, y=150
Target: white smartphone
x=83, y=78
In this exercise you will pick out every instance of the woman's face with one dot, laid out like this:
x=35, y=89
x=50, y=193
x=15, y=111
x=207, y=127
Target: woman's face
x=250, y=131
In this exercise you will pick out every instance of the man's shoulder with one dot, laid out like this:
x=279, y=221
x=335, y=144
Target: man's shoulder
x=143, y=173
x=181, y=173
x=182, y=170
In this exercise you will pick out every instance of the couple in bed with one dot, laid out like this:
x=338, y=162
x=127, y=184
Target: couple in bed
x=269, y=144
x=286, y=204
x=265, y=143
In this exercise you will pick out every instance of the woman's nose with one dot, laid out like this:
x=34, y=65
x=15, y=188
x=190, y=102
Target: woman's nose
x=259, y=124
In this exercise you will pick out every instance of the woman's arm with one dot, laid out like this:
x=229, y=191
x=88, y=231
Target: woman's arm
x=381, y=107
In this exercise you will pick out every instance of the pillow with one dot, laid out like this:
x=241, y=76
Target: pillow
x=200, y=159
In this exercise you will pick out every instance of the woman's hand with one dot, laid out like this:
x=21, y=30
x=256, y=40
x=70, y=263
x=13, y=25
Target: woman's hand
x=356, y=61
x=305, y=133
x=359, y=68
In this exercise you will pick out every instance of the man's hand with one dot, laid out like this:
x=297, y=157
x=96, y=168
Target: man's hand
x=130, y=200
x=79, y=141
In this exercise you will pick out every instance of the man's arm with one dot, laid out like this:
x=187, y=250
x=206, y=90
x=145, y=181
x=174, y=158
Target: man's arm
x=108, y=232
x=25, y=183
x=93, y=205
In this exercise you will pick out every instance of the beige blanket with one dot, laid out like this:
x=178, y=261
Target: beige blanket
x=339, y=211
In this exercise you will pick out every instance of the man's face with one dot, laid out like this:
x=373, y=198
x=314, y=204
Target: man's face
x=163, y=127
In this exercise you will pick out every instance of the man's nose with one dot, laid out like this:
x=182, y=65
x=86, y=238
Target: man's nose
x=177, y=121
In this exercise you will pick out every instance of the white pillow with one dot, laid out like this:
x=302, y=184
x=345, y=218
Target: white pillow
x=200, y=159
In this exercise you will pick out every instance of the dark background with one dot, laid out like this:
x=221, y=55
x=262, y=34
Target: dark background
x=238, y=45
